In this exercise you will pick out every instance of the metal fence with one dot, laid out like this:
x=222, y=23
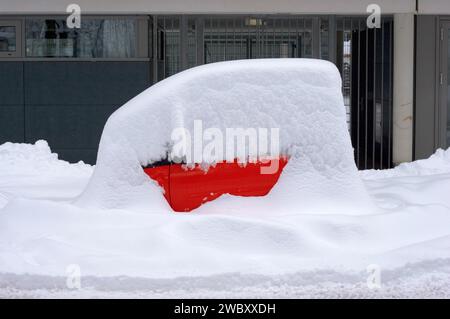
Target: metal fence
x=363, y=56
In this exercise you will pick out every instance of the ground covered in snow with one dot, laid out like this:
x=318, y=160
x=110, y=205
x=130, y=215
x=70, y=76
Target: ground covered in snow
x=143, y=253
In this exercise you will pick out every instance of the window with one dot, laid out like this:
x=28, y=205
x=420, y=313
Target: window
x=9, y=38
x=97, y=38
x=254, y=38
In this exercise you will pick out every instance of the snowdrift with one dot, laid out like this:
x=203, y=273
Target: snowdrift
x=24, y=167
x=129, y=253
x=301, y=97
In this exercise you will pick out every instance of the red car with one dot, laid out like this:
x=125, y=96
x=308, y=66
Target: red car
x=188, y=188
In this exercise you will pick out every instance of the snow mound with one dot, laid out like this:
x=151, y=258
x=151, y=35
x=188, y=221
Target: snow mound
x=17, y=158
x=25, y=167
x=300, y=97
x=438, y=163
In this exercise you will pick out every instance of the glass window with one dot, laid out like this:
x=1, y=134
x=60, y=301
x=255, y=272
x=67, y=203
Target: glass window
x=8, y=38
x=170, y=43
x=97, y=38
x=254, y=38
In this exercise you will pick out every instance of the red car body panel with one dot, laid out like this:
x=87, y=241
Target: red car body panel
x=186, y=189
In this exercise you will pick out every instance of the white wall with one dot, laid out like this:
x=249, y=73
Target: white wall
x=403, y=87
x=206, y=6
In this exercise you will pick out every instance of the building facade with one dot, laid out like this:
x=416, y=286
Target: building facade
x=61, y=84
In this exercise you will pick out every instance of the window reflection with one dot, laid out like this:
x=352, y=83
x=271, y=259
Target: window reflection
x=7, y=38
x=97, y=38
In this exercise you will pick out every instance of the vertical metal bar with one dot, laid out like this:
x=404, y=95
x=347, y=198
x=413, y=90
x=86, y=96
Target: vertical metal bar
x=274, y=38
x=222, y=38
x=346, y=77
x=332, y=34
x=347, y=57
x=249, y=43
x=382, y=94
x=225, y=32
x=241, y=37
x=261, y=39
x=210, y=50
x=351, y=71
x=257, y=39
x=266, y=39
x=290, y=46
x=358, y=106
x=316, y=37
x=155, y=48
x=175, y=43
x=366, y=98
x=297, y=37
x=180, y=45
x=200, y=27
x=374, y=94
x=234, y=39
x=165, y=47
x=303, y=36
x=342, y=65
x=390, y=91
x=262, y=34
x=183, y=26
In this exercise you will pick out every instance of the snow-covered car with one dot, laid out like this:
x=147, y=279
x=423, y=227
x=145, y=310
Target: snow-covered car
x=292, y=107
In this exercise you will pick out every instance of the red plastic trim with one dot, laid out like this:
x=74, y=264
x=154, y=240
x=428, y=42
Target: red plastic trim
x=187, y=189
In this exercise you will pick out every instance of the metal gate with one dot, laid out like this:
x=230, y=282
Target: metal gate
x=363, y=56
x=365, y=59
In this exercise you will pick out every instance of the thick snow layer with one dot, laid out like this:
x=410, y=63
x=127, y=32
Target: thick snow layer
x=131, y=253
x=24, y=167
x=438, y=163
x=300, y=97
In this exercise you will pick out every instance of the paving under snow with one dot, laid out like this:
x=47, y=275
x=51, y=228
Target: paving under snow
x=141, y=253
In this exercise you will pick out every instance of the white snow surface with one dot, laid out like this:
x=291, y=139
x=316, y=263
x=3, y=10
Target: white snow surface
x=143, y=253
x=301, y=97
x=25, y=167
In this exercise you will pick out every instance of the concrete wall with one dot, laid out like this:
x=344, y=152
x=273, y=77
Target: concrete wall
x=434, y=7
x=403, y=88
x=65, y=103
x=207, y=6
x=426, y=107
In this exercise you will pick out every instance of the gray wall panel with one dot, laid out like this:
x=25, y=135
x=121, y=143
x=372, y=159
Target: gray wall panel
x=11, y=124
x=11, y=83
x=84, y=82
x=67, y=103
x=426, y=81
x=67, y=126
